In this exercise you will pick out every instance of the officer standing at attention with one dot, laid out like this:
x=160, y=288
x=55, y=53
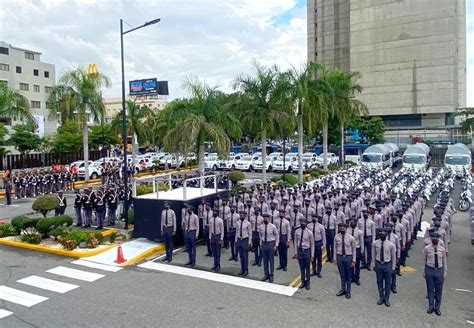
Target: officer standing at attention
x=284, y=230
x=269, y=240
x=168, y=230
x=77, y=207
x=243, y=243
x=436, y=270
x=368, y=230
x=304, y=248
x=7, y=183
x=359, y=238
x=191, y=229
x=100, y=209
x=384, y=253
x=62, y=203
x=256, y=220
x=231, y=229
x=205, y=223
x=345, y=250
x=319, y=234
x=216, y=235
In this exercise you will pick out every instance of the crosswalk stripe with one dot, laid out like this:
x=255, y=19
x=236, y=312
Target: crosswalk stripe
x=76, y=274
x=222, y=278
x=48, y=284
x=19, y=297
x=4, y=313
x=97, y=265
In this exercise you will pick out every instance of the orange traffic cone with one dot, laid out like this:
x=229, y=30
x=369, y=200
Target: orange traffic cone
x=120, y=259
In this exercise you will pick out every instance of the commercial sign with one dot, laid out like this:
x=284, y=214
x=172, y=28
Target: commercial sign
x=148, y=87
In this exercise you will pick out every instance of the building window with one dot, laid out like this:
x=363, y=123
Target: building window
x=4, y=67
x=24, y=87
x=18, y=69
x=35, y=72
x=29, y=55
x=3, y=51
x=48, y=89
x=6, y=120
x=35, y=104
x=36, y=88
x=46, y=74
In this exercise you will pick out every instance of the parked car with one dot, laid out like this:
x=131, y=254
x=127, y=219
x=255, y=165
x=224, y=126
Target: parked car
x=331, y=158
x=246, y=163
x=94, y=170
x=230, y=162
x=287, y=165
x=211, y=162
x=173, y=161
x=273, y=157
x=309, y=162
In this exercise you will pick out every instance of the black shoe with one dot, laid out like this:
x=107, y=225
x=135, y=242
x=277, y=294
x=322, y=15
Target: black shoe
x=318, y=275
x=259, y=264
x=394, y=290
x=307, y=287
x=165, y=260
x=399, y=273
x=231, y=258
x=241, y=273
x=254, y=263
x=313, y=274
x=387, y=303
x=348, y=295
x=302, y=286
x=246, y=273
x=357, y=282
x=369, y=268
x=192, y=265
x=279, y=268
x=169, y=260
x=99, y=228
x=284, y=269
x=429, y=311
x=217, y=269
x=188, y=263
x=208, y=254
x=265, y=278
x=213, y=268
x=380, y=301
x=438, y=312
x=270, y=280
x=78, y=225
x=341, y=292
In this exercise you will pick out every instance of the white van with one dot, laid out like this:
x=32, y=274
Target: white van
x=458, y=158
x=396, y=158
x=416, y=156
x=377, y=156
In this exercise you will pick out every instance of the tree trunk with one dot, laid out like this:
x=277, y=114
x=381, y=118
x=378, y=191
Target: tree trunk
x=325, y=145
x=201, y=159
x=85, y=144
x=342, y=145
x=300, y=147
x=264, y=156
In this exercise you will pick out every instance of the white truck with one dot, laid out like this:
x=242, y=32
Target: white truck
x=458, y=159
x=376, y=156
x=416, y=156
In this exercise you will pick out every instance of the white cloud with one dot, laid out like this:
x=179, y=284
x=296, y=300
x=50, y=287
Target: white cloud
x=211, y=39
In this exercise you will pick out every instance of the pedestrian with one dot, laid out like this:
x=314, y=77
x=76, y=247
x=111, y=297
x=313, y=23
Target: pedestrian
x=284, y=230
x=319, y=234
x=304, y=247
x=359, y=238
x=231, y=230
x=345, y=250
x=384, y=254
x=77, y=207
x=168, y=230
x=62, y=203
x=436, y=270
x=191, y=228
x=243, y=242
x=269, y=240
x=216, y=235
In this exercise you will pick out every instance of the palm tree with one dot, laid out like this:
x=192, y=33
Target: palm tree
x=269, y=104
x=77, y=97
x=308, y=92
x=136, y=124
x=189, y=123
x=14, y=104
x=346, y=107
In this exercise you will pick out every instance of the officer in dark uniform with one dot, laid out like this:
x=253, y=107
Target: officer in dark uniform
x=87, y=203
x=62, y=203
x=112, y=200
x=436, y=270
x=99, y=205
x=7, y=183
x=77, y=207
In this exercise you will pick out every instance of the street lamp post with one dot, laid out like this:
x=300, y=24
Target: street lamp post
x=124, y=116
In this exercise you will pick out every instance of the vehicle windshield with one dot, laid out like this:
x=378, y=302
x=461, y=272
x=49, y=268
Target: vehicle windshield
x=212, y=158
x=413, y=159
x=288, y=157
x=371, y=158
x=307, y=158
x=246, y=158
x=457, y=160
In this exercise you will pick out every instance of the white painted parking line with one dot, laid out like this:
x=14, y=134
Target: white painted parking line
x=236, y=281
x=4, y=313
x=97, y=265
x=48, y=284
x=19, y=297
x=76, y=274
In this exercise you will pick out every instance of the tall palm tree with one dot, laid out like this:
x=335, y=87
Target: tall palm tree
x=136, y=124
x=269, y=104
x=346, y=107
x=14, y=104
x=77, y=97
x=308, y=92
x=189, y=123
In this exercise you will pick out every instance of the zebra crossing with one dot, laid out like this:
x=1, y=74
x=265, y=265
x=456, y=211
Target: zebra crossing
x=30, y=299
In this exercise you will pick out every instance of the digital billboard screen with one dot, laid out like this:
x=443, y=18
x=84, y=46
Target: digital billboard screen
x=148, y=87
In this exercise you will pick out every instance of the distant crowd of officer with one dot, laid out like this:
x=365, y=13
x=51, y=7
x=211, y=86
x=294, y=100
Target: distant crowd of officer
x=359, y=229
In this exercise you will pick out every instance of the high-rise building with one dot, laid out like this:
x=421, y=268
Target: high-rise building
x=23, y=70
x=411, y=54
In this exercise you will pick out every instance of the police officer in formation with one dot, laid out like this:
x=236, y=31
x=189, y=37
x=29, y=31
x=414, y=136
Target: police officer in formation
x=345, y=250
x=62, y=203
x=384, y=253
x=191, y=232
x=168, y=230
x=269, y=239
x=435, y=271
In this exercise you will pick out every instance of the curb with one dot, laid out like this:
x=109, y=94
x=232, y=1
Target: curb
x=152, y=251
x=60, y=252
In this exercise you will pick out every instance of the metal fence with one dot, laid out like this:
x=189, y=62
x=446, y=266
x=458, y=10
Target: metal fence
x=14, y=162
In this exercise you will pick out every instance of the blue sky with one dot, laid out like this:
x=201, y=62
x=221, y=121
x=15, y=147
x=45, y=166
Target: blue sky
x=210, y=39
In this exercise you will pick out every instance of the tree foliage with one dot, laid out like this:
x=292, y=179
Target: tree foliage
x=467, y=115
x=14, y=104
x=23, y=139
x=68, y=137
x=371, y=129
x=102, y=135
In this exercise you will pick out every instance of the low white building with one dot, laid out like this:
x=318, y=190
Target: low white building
x=113, y=105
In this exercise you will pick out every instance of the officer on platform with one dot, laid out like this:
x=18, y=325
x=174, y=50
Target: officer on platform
x=304, y=248
x=384, y=254
x=269, y=240
x=436, y=270
x=168, y=230
x=243, y=243
x=345, y=251
x=216, y=235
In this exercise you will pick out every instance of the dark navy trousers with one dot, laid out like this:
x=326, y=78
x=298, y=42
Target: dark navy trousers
x=268, y=258
x=318, y=257
x=216, y=249
x=304, y=256
x=168, y=240
x=243, y=251
x=283, y=251
x=384, y=277
x=434, y=284
x=191, y=246
x=344, y=266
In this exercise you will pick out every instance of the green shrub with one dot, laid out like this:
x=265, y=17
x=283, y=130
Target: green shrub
x=44, y=204
x=192, y=162
x=143, y=189
x=22, y=223
x=289, y=179
x=7, y=230
x=276, y=178
x=68, y=244
x=59, y=232
x=333, y=167
x=163, y=186
x=78, y=236
x=31, y=239
x=116, y=235
x=45, y=225
x=70, y=239
x=236, y=176
x=131, y=216
x=17, y=223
